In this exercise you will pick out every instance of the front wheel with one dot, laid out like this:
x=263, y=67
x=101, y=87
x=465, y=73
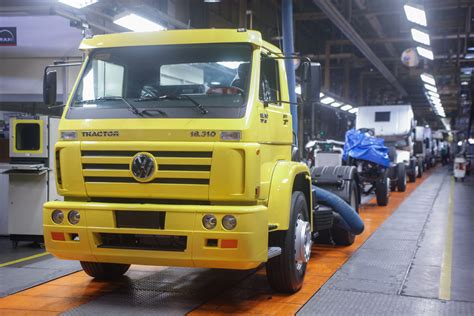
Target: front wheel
x=286, y=272
x=381, y=191
x=420, y=169
x=401, y=177
x=105, y=271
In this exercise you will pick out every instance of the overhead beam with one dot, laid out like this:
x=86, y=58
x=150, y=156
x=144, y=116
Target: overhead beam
x=316, y=15
x=336, y=17
x=377, y=27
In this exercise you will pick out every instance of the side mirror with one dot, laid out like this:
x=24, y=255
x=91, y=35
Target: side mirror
x=50, y=87
x=310, y=82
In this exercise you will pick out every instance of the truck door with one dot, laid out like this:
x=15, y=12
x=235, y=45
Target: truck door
x=274, y=115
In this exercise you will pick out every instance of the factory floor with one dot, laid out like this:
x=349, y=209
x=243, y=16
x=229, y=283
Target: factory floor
x=414, y=258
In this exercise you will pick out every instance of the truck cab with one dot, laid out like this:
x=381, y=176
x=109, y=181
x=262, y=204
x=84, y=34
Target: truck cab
x=396, y=125
x=176, y=149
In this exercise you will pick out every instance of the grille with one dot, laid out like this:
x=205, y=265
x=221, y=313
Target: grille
x=174, y=167
x=142, y=242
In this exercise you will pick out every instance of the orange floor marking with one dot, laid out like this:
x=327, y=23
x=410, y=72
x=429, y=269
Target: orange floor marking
x=251, y=296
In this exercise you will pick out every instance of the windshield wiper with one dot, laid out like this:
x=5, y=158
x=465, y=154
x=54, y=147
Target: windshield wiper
x=101, y=99
x=198, y=105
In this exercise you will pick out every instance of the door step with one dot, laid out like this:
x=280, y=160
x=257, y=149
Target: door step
x=273, y=252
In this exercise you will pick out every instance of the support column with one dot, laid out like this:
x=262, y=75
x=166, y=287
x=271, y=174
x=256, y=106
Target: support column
x=288, y=50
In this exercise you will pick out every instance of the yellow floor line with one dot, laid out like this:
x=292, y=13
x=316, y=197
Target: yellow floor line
x=446, y=267
x=24, y=259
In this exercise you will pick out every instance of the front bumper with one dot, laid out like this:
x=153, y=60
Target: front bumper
x=245, y=247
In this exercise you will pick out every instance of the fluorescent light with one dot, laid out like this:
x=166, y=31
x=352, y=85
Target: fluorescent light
x=137, y=23
x=336, y=104
x=298, y=89
x=420, y=37
x=327, y=100
x=433, y=94
x=428, y=78
x=321, y=94
x=346, y=107
x=435, y=99
x=78, y=4
x=464, y=83
x=415, y=14
x=424, y=52
x=354, y=110
x=430, y=88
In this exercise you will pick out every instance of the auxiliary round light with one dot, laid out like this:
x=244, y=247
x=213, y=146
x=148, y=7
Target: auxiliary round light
x=209, y=221
x=229, y=222
x=74, y=217
x=57, y=216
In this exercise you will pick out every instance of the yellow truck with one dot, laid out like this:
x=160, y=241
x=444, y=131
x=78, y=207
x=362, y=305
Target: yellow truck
x=176, y=149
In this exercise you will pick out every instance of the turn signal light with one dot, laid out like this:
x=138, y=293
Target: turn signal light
x=231, y=135
x=229, y=243
x=58, y=236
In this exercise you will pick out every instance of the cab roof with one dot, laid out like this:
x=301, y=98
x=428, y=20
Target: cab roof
x=175, y=37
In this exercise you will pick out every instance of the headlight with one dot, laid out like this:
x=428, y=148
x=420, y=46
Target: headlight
x=57, y=216
x=229, y=222
x=209, y=221
x=74, y=217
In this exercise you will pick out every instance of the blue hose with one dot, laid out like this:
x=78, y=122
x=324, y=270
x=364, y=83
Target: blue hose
x=349, y=219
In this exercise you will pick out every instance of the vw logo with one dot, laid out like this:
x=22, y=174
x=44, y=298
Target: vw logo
x=143, y=167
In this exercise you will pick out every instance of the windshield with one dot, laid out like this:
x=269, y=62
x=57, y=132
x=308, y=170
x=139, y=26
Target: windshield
x=178, y=81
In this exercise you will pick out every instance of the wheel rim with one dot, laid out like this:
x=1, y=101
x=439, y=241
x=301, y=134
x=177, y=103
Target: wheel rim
x=303, y=242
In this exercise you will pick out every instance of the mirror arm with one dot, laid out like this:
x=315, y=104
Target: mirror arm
x=59, y=65
x=56, y=106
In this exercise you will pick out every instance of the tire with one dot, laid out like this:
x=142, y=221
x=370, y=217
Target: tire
x=284, y=273
x=401, y=177
x=105, y=271
x=420, y=169
x=342, y=237
x=412, y=176
x=381, y=191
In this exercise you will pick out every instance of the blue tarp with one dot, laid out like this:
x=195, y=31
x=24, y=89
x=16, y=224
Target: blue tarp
x=365, y=147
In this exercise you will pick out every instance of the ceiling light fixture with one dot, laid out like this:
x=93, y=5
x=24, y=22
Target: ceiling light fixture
x=354, y=110
x=433, y=94
x=346, y=107
x=78, y=4
x=430, y=88
x=327, y=100
x=336, y=104
x=427, y=78
x=424, y=52
x=420, y=37
x=415, y=14
x=138, y=23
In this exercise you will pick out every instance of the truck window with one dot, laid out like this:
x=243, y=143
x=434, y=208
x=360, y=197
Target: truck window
x=167, y=81
x=269, y=83
x=382, y=116
x=182, y=74
x=103, y=79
